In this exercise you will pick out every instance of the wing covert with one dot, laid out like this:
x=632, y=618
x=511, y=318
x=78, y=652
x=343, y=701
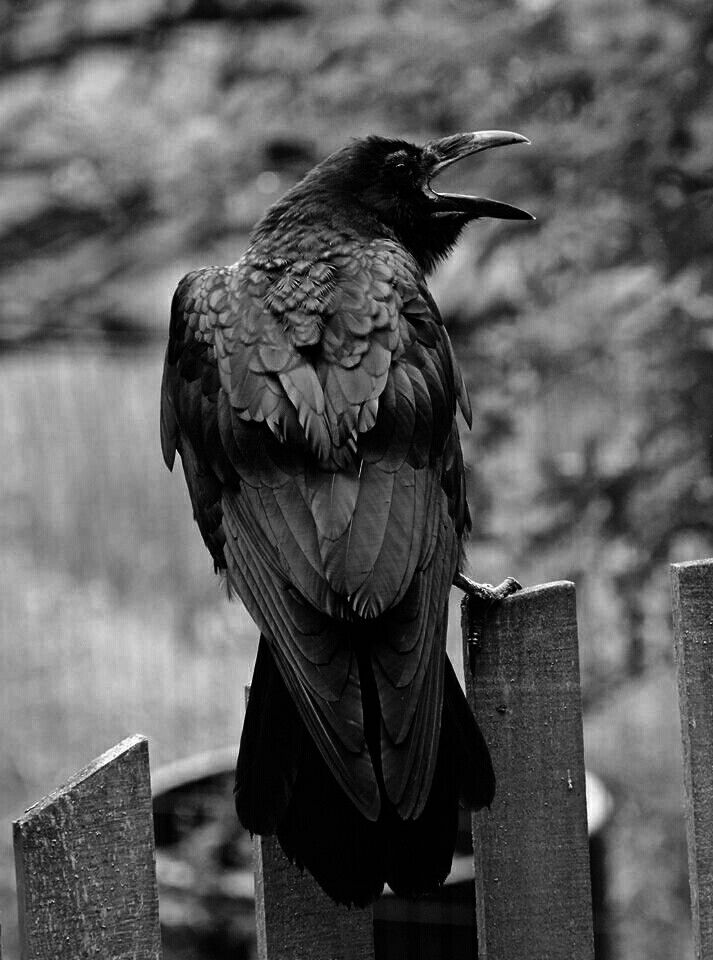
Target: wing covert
x=312, y=400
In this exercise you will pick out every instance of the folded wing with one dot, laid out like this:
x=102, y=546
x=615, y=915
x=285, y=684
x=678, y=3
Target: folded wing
x=313, y=407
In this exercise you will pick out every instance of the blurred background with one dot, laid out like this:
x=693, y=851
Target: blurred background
x=143, y=138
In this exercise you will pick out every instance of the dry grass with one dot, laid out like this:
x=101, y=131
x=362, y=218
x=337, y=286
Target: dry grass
x=111, y=619
x=84, y=488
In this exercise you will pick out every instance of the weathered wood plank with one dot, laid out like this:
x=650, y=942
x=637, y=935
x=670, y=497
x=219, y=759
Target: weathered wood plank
x=297, y=921
x=84, y=859
x=533, y=895
x=692, y=585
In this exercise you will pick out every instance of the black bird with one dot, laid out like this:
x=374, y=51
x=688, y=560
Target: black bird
x=311, y=390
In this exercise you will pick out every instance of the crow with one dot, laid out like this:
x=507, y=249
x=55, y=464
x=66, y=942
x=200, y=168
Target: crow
x=311, y=392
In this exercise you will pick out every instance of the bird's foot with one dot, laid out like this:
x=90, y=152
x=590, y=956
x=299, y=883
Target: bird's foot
x=476, y=607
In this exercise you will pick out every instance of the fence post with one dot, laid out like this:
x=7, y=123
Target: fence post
x=533, y=889
x=296, y=920
x=693, y=645
x=84, y=858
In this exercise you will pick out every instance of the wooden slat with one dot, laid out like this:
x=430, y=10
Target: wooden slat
x=297, y=921
x=531, y=853
x=84, y=859
x=693, y=643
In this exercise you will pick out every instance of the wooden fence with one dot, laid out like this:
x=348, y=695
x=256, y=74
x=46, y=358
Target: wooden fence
x=85, y=858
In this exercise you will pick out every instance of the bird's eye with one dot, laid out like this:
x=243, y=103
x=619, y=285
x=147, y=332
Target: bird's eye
x=398, y=160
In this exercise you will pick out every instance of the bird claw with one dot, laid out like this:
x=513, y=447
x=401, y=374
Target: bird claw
x=476, y=606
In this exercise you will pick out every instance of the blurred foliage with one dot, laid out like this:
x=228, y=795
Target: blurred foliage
x=141, y=138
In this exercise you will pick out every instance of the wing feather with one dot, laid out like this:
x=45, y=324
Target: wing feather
x=312, y=404
x=411, y=699
x=399, y=549
x=368, y=526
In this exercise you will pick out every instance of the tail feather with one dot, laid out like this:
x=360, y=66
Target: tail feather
x=475, y=773
x=420, y=852
x=272, y=748
x=284, y=786
x=323, y=831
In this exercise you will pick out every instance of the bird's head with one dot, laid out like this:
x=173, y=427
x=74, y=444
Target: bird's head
x=377, y=182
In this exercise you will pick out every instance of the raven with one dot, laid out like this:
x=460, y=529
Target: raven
x=311, y=391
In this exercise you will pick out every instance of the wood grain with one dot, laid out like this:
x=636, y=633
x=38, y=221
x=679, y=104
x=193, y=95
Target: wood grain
x=84, y=858
x=531, y=853
x=297, y=921
x=692, y=585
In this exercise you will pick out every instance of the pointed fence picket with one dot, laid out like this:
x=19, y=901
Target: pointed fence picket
x=84, y=860
x=85, y=857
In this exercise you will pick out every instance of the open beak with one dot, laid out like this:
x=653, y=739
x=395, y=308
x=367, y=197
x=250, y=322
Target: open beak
x=442, y=153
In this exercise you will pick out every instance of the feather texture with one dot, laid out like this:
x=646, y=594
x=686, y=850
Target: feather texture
x=311, y=396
